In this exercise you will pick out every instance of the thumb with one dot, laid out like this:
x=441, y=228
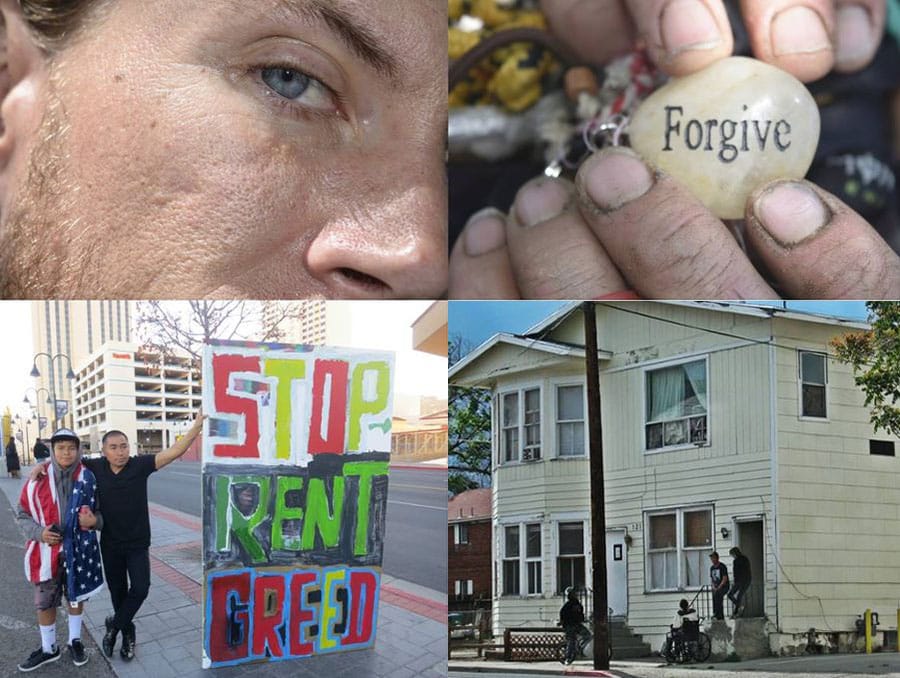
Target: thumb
x=817, y=247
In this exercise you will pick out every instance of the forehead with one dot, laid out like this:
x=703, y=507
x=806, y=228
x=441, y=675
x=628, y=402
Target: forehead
x=65, y=445
x=116, y=439
x=403, y=40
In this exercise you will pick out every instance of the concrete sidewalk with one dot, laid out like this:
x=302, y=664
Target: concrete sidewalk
x=411, y=636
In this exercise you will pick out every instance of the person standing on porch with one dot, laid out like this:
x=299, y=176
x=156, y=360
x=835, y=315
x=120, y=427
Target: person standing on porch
x=718, y=576
x=741, y=571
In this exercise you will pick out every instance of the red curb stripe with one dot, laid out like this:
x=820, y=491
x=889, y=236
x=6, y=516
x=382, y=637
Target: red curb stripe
x=186, y=585
x=413, y=603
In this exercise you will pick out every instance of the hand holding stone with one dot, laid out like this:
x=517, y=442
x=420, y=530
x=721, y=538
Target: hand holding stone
x=624, y=226
x=728, y=129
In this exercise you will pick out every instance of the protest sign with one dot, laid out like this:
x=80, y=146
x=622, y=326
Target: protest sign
x=295, y=464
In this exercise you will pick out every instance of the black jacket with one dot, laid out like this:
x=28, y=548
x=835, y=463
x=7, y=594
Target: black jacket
x=741, y=569
x=572, y=613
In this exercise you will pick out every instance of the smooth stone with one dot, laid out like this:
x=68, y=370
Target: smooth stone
x=728, y=129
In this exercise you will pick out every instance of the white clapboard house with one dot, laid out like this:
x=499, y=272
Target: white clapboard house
x=723, y=425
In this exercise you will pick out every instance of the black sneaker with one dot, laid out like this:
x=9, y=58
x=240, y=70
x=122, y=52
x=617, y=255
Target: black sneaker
x=39, y=658
x=128, y=642
x=76, y=651
x=109, y=640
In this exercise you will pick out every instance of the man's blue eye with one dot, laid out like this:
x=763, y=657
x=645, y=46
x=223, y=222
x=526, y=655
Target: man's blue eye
x=286, y=82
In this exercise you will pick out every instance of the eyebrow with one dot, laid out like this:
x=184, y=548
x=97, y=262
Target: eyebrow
x=357, y=37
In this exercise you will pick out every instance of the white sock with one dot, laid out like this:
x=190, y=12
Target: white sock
x=74, y=627
x=48, y=638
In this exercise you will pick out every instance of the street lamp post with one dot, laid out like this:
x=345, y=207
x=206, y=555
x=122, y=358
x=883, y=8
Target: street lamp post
x=69, y=375
x=23, y=426
x=37, y=404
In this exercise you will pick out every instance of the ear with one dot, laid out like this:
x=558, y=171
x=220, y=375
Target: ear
x=23, y=71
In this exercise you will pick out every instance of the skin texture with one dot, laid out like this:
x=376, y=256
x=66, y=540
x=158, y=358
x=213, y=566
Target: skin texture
x=664, y=244
x=668, y=28
x=626, y=227
x=116, y=451
x=150, y=157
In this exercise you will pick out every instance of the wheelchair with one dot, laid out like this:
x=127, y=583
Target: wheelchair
x=687, y=644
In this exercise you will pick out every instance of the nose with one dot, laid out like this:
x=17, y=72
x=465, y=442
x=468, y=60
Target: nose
x=396, y=250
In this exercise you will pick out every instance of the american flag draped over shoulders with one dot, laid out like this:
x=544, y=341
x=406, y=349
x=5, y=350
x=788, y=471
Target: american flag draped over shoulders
x=80, y=547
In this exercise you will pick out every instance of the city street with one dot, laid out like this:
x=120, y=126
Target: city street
x=417, y=513
x=411, y=635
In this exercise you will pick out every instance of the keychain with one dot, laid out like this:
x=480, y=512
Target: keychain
x=603, y=113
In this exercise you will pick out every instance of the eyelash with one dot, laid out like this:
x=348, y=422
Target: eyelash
x=295, y=110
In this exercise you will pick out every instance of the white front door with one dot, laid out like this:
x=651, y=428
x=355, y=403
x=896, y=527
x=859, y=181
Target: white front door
x=616, y=573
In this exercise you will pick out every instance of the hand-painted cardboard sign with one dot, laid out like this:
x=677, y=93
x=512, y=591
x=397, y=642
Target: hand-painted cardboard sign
x=295, y=464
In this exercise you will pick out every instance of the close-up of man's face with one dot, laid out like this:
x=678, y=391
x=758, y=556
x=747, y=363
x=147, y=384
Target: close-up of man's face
x=236, y=148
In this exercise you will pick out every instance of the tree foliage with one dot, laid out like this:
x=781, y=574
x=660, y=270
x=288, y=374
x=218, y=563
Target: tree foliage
x=170, y=326
x=874, y=356
x=469, y=436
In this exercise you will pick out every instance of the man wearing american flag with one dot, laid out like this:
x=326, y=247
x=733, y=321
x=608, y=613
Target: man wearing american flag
x=58, y=512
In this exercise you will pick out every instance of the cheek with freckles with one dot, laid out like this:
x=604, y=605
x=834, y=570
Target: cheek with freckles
x=184, y=179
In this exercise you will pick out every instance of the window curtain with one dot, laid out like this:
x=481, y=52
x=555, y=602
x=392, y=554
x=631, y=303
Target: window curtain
x=696, y=375
x=666, y=393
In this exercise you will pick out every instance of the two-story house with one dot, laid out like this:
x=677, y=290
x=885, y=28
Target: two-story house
x=723, y=425
x=469, y=550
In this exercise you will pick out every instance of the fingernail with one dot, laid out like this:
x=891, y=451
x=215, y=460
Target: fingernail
x=854, y=36
x=485, y=232
x=790, y=212
x=688, y=24
x=798, y=30
x=614, y=177
x=539, y=200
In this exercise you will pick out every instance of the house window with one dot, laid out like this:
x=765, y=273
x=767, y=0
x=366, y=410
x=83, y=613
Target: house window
x=677, y=545
x=676, y=405
x=460, y=534
x=524, y=425
x=511, y=560
x=813, y=378
x=463, y=587
x=570, y=421
x=570, y=563
x=511, y=427
x=532, y=449
x=533, y=557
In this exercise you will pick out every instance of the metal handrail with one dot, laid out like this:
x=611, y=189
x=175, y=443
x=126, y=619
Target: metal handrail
x=704, y=610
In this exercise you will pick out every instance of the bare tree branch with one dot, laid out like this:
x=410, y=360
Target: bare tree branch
x=169, y=326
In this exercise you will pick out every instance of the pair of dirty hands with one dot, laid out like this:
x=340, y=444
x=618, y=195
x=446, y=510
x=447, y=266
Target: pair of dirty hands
x=622, y=227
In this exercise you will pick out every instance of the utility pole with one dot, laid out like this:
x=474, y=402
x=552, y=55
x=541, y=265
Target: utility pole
x=598, y=496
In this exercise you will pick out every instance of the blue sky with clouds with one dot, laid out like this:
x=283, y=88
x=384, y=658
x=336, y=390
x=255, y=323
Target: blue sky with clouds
x=477, y=321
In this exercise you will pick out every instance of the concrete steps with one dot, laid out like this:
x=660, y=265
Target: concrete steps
x=625, y=644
